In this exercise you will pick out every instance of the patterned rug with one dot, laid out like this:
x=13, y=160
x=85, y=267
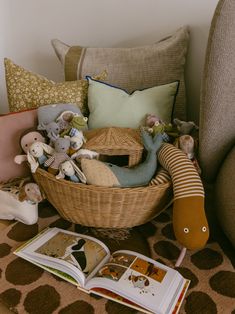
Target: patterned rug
x=25, y=288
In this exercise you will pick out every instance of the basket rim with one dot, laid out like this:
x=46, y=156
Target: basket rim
x=101, y=188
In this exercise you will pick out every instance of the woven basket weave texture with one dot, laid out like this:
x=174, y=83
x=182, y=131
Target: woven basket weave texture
x=103, y=207
x=116, y=141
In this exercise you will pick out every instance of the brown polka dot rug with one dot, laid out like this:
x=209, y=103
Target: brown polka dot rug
x=25, y=288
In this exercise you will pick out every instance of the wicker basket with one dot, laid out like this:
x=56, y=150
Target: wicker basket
x=96, y=206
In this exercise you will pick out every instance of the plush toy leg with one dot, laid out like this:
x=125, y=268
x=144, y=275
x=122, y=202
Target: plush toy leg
x=181, y=257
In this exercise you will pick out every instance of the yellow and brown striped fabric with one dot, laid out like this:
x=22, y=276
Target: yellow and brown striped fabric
x=162, y=176
x=189, y=219
x=185, y=178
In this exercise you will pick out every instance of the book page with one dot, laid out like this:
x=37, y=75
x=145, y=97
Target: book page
x=141, y=280
x=119, y=299
x=76, y=254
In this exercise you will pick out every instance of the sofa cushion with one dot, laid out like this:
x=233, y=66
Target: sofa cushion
x=27, y=90
x=131, y=68
x=49, y=113
x=12, y=127
x=111, y=106
x=217, y=107
x=225, y=197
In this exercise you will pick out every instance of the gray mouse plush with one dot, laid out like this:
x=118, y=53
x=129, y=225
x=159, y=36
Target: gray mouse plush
x=60, y=155
x=185, y=127
x=52, y=129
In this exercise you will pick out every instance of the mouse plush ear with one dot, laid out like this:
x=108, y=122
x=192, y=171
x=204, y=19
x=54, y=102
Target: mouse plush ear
x=79, y=173
x=41, y=126
x=47, y=148
x=22, y=194
x=33, y=163
x=60, y=175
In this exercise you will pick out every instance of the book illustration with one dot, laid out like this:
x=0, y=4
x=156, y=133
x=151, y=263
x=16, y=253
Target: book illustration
x=141, y=285
x=139, y=281
x=126, y=277
x=111, y=271
x=139, y=273
x=123, y=259
x=83, y=253
x=148, y=269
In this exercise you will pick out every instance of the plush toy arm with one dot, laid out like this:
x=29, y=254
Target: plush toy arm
x=49, y=161
x=48, y=149
x=60, y=175
x=52, y=136
x=20, y=158
x=79, y=173
x=74, y=155
x=33, y=163
x=85, y=152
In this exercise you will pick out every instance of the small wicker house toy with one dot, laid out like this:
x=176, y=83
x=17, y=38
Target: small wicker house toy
x=116, y=141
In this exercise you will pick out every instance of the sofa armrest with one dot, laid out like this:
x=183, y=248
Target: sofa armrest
x=225, y=196
x=217, y=110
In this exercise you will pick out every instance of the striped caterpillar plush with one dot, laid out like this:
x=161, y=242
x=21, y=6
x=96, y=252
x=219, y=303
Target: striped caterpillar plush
x=189, y=219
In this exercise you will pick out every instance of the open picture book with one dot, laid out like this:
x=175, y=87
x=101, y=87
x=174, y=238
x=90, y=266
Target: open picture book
x=126, y=277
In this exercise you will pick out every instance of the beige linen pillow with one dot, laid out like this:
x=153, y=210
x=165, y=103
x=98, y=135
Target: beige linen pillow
x=27, y=90
x=131, y=68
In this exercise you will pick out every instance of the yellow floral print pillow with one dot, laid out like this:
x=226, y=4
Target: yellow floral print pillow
x=27, y=90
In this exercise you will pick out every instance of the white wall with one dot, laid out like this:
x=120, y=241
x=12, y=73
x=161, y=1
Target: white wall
x=27, y=26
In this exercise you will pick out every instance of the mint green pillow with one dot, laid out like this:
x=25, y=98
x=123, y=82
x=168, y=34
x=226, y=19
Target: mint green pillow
x=111, y=106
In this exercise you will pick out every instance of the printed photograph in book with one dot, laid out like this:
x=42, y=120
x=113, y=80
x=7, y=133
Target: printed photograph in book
x=119, y=263
x=82, y=253
x=133, y=272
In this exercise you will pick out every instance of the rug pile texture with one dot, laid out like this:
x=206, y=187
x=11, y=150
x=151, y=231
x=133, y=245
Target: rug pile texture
x=25, y=288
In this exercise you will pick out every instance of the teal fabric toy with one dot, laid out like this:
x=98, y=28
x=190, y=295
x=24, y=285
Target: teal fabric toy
x=107, y=174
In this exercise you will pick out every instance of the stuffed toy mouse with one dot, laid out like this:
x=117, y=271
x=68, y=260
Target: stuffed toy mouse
x=25, y=142
x=185, y=127
x=186, y=144
x=84, y=153
x=20, y=201
x=70, y=170
x=37, y=154
x=60, y=155
x=52, y=129
x=65, y=118
x=78, y=123
x=76, y=142
x=156, y=125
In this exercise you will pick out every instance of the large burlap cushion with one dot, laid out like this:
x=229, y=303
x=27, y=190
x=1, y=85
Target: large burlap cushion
x=225, y=197
x=131, y=68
